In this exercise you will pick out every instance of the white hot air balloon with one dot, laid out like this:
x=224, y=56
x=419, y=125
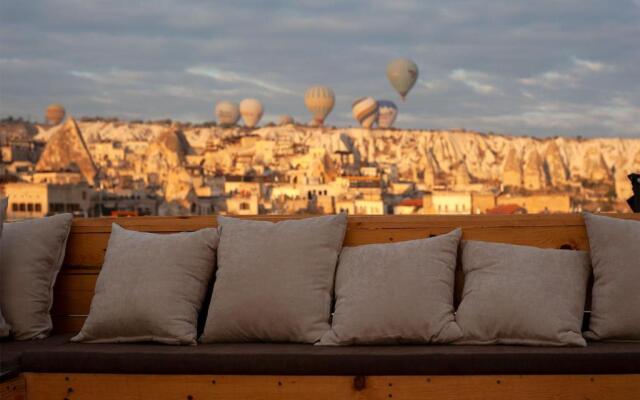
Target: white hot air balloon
x=285, y=120
x=387, y=113
x=403, y=74
x=365, y=111
x=319, y=101
x=251, y=111
x=227, y=113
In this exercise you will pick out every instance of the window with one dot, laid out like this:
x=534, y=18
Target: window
x=23, y=207
x=38, y=207
x=244, y=206
x=84, y=195
x=14, y=207
x=30, y=207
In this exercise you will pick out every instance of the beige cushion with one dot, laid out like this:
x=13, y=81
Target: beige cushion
x=151, y=287
x=274, y=280
x=615, y=299
x=5, y=329
x=396, y=293
x=522, y=295
x=32, y=252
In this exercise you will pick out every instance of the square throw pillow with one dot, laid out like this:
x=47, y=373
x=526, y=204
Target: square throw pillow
x=31, y=254
x=522, y=295
x=274, y=281
x=5, y=329
x=151, y=287
x=396, y=293
x=615, y=298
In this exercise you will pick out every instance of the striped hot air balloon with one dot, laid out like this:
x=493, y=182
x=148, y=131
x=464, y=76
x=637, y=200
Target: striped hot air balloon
x=251, y=111
x=387, y=113
x=54, y=113
x=319, y=101
x=227, y=113
x=365, y=111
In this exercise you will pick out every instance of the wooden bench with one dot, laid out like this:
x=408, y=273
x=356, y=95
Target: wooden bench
x=86, y=248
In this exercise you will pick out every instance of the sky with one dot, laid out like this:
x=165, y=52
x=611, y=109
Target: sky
x=540, y=68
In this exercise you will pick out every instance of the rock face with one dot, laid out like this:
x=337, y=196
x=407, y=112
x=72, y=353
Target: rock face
x=512, y=170
x=167, y=151
x=534, y=177
x=66, y=150
x=430, y=156
x=596, y=168
x=166, y=160
x=555, y=167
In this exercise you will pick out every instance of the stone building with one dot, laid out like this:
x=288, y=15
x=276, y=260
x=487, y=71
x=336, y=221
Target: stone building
x=34, y=200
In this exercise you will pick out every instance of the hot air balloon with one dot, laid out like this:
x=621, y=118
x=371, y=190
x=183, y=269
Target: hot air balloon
x=251, y=112
x=319, y=101
x=54, y=114
x=285, y=120
x=227, y=113
x=387, y=113
x=402, y=73
x=365, y=111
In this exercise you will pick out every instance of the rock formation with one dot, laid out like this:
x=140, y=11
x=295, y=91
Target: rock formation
x=66, y=150
x=533, y=172
x=512, y=170
x=435, y=156
x=596, y=169
x=555, y=167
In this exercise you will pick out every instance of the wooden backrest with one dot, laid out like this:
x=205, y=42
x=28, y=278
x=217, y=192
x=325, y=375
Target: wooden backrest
x=88, y=242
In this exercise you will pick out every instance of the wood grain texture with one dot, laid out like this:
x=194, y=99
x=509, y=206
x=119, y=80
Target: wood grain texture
x=89, y=237
x=236, y=387
x=13, y=389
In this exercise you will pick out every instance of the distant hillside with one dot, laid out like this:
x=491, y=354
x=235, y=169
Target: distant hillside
x=483, y=156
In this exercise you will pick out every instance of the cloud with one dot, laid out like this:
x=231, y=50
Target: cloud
x=234, y=77
x=618, y=115
x=110, y=77
x=569, y=77
x=500, y=65
x=477, y=81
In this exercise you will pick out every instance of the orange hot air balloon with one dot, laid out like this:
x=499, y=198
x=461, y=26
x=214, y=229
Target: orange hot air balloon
x=54, y=113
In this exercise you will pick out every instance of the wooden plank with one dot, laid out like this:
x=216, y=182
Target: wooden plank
x=67, y=323
x=174, y=224
x=13, y=389
x=72, y=302
x=89, y=237
x=86, y=250
x=235, y=387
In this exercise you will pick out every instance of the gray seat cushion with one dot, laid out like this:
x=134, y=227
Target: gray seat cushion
x=58, y=355
x=11, y=353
